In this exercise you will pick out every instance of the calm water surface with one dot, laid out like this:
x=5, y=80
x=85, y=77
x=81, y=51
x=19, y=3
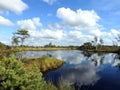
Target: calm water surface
x=84, y=71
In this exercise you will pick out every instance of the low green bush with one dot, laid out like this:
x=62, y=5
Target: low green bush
x=13, y=76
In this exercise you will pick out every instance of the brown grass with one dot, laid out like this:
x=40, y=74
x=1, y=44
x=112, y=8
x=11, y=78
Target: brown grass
x=44, y=63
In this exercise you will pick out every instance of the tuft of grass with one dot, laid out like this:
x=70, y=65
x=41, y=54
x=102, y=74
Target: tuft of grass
x=44, y=63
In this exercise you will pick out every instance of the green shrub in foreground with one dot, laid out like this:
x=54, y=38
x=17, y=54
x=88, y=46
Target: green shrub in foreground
x=13, y=76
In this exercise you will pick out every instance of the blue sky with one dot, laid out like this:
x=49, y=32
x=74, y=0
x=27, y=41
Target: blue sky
x=62, y=22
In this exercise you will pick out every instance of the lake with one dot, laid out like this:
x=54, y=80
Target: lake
x=83, y=70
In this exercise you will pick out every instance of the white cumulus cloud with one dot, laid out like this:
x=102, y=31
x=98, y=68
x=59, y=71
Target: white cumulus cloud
x=16, y=6
x=29, y=24
x=4, y=21
x=36, y=30
x=82, y=18
x=75, y=34
x=52, y=34
x=115, y=32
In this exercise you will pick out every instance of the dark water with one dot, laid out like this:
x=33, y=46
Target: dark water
x=84, y=71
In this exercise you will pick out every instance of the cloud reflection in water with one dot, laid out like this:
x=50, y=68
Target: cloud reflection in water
x=81, y=74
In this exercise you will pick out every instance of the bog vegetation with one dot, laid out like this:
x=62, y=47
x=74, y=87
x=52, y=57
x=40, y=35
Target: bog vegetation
x=44, y=64
x=15, y=76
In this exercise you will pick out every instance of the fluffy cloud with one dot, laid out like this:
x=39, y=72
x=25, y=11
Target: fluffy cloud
x=75, y=34
x=49, y=1
x=52, y=34
x=29, y=24
x=47, y=34
x=16, y=6
x=114, y=32
x=96, y=32
x=4, y=21
x=34, y=26
x=82, y=18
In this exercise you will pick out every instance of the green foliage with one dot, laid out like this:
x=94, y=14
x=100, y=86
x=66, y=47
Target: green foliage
x=13, y=76
x=87, y=46
x=20, y=36
x=22, y=32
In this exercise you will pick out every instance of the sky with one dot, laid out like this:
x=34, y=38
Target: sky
x=61, y=22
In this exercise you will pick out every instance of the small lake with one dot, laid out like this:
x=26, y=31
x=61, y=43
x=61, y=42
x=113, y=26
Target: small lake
x=84, y=71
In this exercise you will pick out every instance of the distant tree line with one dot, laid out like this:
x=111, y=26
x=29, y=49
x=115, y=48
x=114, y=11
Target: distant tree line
x=50, y=45
x=97, y=44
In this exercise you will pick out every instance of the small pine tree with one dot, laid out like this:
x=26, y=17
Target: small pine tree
x=13, y=76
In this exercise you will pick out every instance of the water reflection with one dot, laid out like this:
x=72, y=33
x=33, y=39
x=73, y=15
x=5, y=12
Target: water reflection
x=82, y=68
x=99, y=60
x=82, y=74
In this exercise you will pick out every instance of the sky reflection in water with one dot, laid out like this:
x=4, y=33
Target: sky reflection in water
x=83, y=69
